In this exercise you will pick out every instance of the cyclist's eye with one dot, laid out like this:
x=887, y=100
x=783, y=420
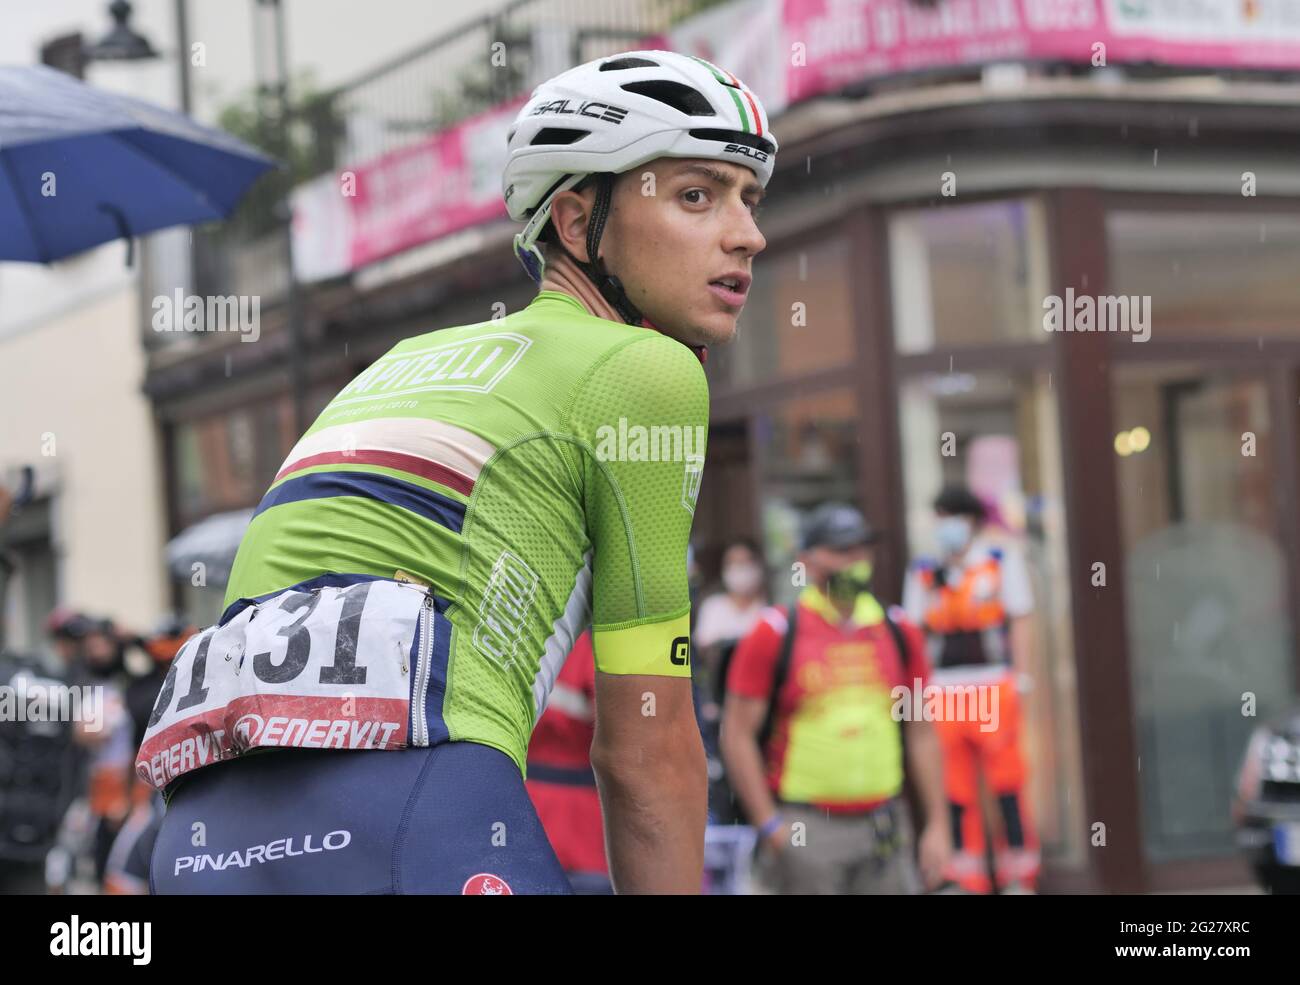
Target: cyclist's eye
x=695, y=191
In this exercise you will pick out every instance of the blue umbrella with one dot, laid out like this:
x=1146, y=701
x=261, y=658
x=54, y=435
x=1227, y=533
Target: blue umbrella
x=80, y=166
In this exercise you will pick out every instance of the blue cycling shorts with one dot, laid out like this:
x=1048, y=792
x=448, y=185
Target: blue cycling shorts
x=453, y=818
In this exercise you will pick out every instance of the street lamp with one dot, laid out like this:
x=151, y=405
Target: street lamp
x=271, y=63
x=122, y=43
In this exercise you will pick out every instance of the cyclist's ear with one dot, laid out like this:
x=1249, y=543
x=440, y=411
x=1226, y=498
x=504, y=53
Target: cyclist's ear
x=570, y=213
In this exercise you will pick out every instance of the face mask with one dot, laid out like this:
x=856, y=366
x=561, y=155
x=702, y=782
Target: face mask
x=848, y=583
x=953, y=533
x=742, y=579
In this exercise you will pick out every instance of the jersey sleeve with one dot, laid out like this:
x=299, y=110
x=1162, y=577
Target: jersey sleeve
x=708, y=621
x=754, y=661
x=917, y=663
x=1017, y=596
x=641, y=417
x=914, y=596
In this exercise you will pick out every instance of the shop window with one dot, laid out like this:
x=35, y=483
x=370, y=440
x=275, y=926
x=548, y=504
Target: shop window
x=1206, y=591
x=797, y=320
x=964, y=275
x=1209, y=275
x=998, y=433
x=225, y=461
x=807, y=454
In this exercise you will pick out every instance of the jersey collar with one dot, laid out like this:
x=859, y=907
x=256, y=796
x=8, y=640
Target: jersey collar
x=866, y=610
x=701, y=351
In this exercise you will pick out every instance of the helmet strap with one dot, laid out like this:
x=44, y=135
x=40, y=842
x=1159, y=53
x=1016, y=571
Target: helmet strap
x=610, y=287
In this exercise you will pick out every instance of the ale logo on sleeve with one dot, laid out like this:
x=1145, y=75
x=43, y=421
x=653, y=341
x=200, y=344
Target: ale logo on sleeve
x=679, y=652
x=691, y=482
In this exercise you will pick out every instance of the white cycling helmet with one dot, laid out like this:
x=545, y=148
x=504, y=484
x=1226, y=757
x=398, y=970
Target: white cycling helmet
x=614, y=114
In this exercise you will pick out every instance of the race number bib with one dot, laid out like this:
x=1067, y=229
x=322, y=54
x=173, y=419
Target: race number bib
x=333, y=668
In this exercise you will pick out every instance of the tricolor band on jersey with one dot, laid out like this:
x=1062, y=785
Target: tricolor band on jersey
x=435, y=542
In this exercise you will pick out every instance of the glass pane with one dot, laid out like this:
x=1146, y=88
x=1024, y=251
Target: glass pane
x=191, y=496
x=968, y=274
x=201, y=605
x=1205, y=585
x=798, y=318
x=1209, y=273
x=998, y=433
x=226, y=462
x=807, y=454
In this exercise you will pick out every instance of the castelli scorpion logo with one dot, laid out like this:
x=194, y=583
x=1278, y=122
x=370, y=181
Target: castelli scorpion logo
x=486, y=884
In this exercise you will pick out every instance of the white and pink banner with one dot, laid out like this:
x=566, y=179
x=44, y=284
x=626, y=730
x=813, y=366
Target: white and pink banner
x=833, y=43
x=787, y=51
x=357, y=215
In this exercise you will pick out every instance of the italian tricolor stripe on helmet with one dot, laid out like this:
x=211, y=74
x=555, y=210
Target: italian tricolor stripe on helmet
x=733, y=84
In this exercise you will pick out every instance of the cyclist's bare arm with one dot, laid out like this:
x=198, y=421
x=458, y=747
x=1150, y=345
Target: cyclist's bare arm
x=650, y=769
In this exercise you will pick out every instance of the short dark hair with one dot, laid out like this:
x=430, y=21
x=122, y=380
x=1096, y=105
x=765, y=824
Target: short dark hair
x=956, y=499
x=547, y=234
x=749, y=543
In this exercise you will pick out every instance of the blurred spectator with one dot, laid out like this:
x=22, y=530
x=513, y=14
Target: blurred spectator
x=93, y=651
x=723, y=619
x=974, y=602
x=560, y=780
x=126, y=871
x=127, y=866
x=811, y=742
x=39, y=775
x=161, y=645
x=730, y=614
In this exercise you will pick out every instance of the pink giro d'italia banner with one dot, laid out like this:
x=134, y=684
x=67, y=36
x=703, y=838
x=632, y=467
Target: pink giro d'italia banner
x=786, y=51
x=846, y=41
x=413, y=195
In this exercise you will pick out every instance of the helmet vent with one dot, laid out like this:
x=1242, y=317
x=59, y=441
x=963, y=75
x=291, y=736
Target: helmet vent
x=618, y=64
x=557, y=135
x=680, y=97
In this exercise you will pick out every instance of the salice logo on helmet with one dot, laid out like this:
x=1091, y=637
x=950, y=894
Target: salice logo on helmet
x=607, y=112
x=753, y=152
x=486, y=884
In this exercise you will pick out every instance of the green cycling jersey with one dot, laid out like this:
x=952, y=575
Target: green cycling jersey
x=538, y=472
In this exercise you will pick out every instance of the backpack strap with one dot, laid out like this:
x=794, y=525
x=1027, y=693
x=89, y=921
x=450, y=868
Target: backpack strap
x=780, y=671
x=896, y=631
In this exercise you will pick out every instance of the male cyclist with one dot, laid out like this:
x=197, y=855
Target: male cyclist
x=440, y=536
